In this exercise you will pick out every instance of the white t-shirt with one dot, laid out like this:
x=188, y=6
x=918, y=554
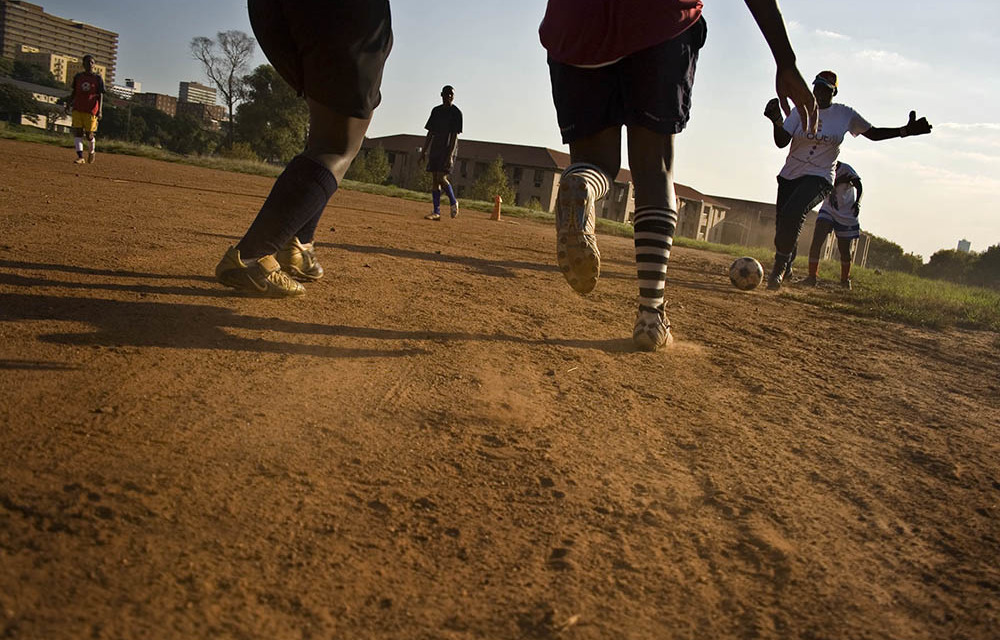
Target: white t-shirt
x=840, y=203
x=816, y=155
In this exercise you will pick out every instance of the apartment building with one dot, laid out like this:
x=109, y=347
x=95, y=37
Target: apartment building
x=26, y=24
x=62, y=67
x=196, y=93
x=161, y=101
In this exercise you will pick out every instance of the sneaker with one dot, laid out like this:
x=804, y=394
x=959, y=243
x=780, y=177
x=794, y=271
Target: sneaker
x=774, y=280
x=299, y=261
x=262, y=277
x=652, y=329
x=576, y=243
x=454, y=210
x=432, y=216
x=845, y=284
x=79, y=161
x=788, y=273
x=90, y=157
x=809, y=281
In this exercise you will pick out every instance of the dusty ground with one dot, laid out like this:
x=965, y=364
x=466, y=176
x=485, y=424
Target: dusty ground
x=442, y=440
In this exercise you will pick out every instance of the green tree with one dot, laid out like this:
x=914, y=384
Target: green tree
x=986, y=271
x=34, y=74
x=15, y=101
x=417, y=178
x=885, y=254
x=190, y=137
x=377, y=165
x=273, y=120
x=492, y=183
x=949, y=264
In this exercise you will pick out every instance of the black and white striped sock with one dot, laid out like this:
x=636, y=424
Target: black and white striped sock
x=654, y=236
x=596, y=180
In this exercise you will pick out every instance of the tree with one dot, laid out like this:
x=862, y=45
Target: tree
x=34, y=74
x=6, y=67
x=370, y=166
x=986, y=271
x=884, y=254
x=15, y=101
x=949, y=264
x=273, y=120
x=190, y=137
x=493, y=183
x=225, y=62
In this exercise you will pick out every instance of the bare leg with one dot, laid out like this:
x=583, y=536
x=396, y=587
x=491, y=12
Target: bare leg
x=334, y=139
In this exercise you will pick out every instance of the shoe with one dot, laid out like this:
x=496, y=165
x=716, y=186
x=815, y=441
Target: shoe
x=262, y=277
x=79, y=161
x=788, y=273
x=454, y=210
x=90, y=157
x=432, y=216
x=777, y=275
x=652, y=329
x=576, y=242
x=845, y=284
x=299, y=261
x=808, y=281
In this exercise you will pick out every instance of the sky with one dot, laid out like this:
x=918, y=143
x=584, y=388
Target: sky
x=924, y=193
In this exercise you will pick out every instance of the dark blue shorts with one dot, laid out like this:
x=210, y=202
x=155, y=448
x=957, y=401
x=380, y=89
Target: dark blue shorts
x=332, y=51
x=650, y=88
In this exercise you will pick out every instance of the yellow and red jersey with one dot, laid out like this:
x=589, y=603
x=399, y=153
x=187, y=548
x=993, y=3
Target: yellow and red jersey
x=87, y=89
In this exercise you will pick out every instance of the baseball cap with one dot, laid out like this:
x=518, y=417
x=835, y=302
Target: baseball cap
x=827, y=78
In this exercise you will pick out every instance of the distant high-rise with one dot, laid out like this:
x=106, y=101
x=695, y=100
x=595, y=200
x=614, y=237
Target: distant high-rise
x=194, y=92
x=26, y=24
x=964, y=246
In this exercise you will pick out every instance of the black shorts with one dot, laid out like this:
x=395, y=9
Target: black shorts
x=332, y=51
x=649, y=88
x=438, y=158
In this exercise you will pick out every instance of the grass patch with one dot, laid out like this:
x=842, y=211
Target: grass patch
x=889, y=296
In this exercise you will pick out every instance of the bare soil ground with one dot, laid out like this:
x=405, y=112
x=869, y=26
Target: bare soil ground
x=443, y=441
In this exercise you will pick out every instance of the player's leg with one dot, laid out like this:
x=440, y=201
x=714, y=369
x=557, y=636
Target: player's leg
x=651, y=157
x=450, y=192
x=590, y=114
x=796, y=198
x=78, y=137
x=820, y=233
x=92, y=142
x=846, y=247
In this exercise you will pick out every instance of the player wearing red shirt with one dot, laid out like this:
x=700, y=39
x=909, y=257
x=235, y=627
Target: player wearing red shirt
x=87, y=103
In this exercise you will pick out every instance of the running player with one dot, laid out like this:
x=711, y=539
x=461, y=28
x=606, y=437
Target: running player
x=86, y=99
x=440, y=147
x=333, y=53
x=632, y=63
x=839, y=214
x=808, y=175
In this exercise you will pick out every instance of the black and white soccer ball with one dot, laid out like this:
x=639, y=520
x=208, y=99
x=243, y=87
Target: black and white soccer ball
x=746, y=273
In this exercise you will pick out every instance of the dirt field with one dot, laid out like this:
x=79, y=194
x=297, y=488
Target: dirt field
x=443, y=441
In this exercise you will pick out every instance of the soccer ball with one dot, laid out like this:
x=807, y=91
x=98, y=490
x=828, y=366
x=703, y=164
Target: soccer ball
x=746, y=273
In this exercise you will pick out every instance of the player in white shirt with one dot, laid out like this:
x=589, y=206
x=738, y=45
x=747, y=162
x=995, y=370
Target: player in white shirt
x=808, y=175
x=838, y=214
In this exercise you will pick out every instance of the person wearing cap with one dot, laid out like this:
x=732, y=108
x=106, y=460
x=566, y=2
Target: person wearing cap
x=808, y=174
x=631, y=64
x=86, y=100
x=440, y=147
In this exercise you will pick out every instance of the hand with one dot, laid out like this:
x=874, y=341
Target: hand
x=790, y=85
x=773, y=111
x=915, y=127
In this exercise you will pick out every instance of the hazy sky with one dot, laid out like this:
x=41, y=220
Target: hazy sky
x=892, y=56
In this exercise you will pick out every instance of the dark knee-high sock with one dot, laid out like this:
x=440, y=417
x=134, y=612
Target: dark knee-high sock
x=654, y=236
x=451, y=194
x=294, y=206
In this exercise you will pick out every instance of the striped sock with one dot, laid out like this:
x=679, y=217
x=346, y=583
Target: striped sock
x=654, y=236
x=596, y=180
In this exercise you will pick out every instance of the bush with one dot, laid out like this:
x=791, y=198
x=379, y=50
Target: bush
x=238, y=151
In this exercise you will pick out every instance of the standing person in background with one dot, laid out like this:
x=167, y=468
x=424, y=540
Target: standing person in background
x=86, y=100
x=332, y=52
x=440, y=147
x=632, y=63
x=838, y=214
x=808, y=175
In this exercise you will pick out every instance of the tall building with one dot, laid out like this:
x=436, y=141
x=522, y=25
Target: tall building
x=166, y=104
x=194, y=92
x=26, y=24
x=127, y=90
x=964, y=246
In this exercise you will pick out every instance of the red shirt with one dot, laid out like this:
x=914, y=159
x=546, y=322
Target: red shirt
x=593, y=32
x=87, y=87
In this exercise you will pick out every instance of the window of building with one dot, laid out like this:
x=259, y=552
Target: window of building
x=539, y=176
x=463, y=168
x=518, y=172
x=479, y=170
